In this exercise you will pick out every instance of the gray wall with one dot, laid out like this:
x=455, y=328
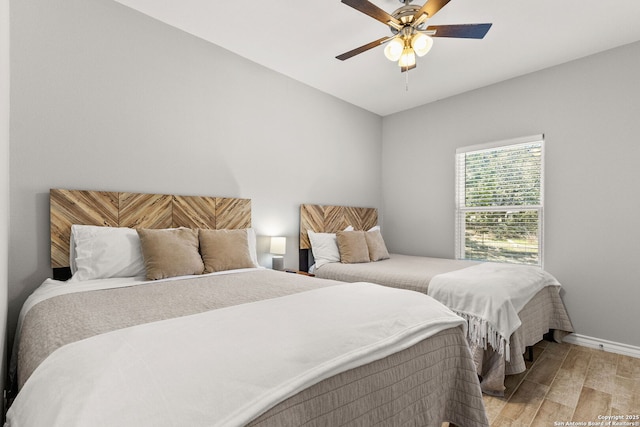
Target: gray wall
x=4, y=177
x=588, y=110
x=106, y=98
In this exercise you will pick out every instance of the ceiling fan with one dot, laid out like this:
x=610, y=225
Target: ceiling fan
x=410, y=35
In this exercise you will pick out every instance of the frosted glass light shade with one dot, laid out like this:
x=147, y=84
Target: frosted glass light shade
x=394, y=49
x=421, y=44
x=408, y=58
x=278, y=245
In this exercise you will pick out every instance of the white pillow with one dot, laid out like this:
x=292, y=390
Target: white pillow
x=104, y=252
x=253, y=252
x=324, y=247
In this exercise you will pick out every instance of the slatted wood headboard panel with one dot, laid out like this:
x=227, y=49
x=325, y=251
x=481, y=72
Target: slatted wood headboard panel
x=137, y=210
x=330, y=219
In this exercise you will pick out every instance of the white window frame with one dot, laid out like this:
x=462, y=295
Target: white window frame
x=461, y=210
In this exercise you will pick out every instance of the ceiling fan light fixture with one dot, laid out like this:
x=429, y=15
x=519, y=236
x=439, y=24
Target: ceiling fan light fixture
x=394, y=49
x=421, y=44
x=408, y=58
x=411, y=35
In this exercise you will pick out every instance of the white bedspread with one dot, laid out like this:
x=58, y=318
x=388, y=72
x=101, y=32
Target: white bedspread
x=51, y=288
x=246, y=359
x=489, y=298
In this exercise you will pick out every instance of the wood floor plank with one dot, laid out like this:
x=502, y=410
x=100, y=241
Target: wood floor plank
x=506, y=422
x=626, y=397
x=602, y=371
x=577, y=360
x=525, y=402
x=550, y=413
x=557, y=350
x=566, y=387
x=493, y=406
x=628, y=367
x=592, y=403
x=546, y=368
x=511, y=383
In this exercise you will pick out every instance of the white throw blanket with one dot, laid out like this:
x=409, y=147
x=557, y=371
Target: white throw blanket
x=489, y=296
x=227, y=366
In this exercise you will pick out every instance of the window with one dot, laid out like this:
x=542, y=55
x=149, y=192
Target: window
x=499, y=201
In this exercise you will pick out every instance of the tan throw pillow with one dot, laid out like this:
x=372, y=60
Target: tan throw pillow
x=225, y=250
x=352, y=246
x=375, y=243
x=170, y=252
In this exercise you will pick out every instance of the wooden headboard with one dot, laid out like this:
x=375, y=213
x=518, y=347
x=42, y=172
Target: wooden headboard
x=330, y=219
x=138, y=210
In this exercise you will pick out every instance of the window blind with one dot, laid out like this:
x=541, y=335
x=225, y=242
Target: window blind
x=499, y=201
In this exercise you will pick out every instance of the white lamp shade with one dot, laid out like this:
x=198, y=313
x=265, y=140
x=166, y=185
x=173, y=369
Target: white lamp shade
x=278, y=245
x=421, y=43
x=394, y=49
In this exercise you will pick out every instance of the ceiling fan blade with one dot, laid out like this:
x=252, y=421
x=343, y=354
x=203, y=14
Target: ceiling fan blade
x=463, y=31
x=364, y=48
x=373, y=11
x=431, y=7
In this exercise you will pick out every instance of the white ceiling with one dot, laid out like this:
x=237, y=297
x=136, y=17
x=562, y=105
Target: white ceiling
x=301, y=38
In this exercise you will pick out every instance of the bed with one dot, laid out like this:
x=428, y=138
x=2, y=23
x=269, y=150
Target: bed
x=508, y=307
x=145, y=334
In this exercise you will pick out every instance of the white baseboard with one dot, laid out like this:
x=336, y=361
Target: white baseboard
x=610, y=346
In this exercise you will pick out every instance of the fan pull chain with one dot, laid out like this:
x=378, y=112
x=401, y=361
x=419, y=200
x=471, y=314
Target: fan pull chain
x=406, y=82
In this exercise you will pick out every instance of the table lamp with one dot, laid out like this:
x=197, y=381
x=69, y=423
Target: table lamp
x=278, y=248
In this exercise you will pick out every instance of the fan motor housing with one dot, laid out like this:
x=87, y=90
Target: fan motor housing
x=405, y=15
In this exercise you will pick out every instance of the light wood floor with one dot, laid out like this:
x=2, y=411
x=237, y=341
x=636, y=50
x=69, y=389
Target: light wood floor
x=569, y=383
